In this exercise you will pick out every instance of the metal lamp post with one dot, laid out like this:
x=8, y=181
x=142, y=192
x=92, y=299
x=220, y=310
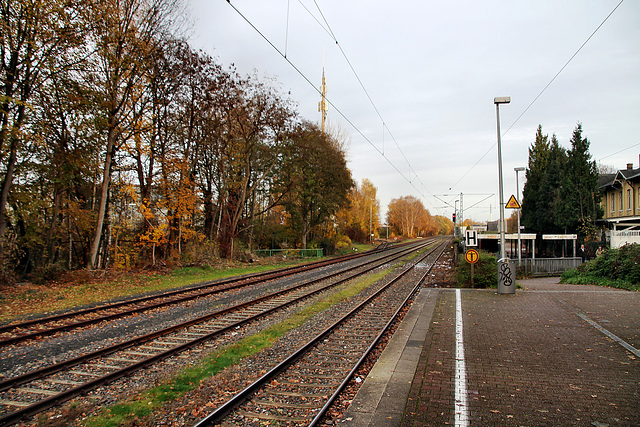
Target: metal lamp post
x=501, y=100
x=519, y=169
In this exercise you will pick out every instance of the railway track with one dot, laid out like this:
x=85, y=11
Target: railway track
x=16, y=333
x=302, y=387
x=30, y=393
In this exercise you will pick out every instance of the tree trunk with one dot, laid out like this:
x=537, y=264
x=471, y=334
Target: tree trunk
x=53, y=229
x=104, y=193
x=6, y=187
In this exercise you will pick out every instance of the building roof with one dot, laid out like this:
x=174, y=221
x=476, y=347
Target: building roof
x=615, y=179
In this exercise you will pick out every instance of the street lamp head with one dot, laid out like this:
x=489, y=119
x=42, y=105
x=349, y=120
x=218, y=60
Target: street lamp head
x=502, y=100
x=519, y=169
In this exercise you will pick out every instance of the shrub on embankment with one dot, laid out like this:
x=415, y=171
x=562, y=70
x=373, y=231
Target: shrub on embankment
x=485, y=272
x=618, y=268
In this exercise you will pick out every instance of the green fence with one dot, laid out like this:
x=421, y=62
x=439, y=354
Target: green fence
x=292, y=253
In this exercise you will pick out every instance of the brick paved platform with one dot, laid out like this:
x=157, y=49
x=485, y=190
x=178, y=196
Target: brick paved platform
x=531, y=359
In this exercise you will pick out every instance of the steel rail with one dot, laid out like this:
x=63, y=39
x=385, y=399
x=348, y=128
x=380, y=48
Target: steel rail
x=30, y=376
x=225, y=409
x=239, y=282
x=15, y=416
x=349, y=376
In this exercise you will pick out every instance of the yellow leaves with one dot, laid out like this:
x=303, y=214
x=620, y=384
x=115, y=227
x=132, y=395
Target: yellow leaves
x=155, y=234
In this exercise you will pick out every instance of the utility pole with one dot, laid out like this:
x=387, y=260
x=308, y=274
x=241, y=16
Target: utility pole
x=323, y=105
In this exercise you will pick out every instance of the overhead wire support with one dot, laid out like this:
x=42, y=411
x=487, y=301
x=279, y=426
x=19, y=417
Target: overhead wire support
x=286, y=37
x=373, y=104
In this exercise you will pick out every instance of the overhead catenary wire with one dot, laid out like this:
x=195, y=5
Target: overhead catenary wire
x=541, y=92
x=562, y=69
x=618, y=152
x=338, y=110
x=373, y=104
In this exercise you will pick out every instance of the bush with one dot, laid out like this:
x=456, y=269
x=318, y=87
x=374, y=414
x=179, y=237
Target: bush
x=343, y=243
x=48, y=273
x=485, y=272
x=616, y=267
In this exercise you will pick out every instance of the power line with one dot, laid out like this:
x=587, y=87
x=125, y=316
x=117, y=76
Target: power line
x=563, y=67
x=373, y=104
x=541, y=92
x=618, y=152
x=476, y=204
x=327, y=99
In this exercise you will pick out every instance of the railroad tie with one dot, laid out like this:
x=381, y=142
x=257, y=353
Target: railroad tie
x=287, y=405
x=298, y=394
x=63, y=382
x=105, y=366
x=205, y=329
x=155, y=348
x=14, y=403
x=120, y=359
x=38, y=391
x=312, y=385
x=85, y=374
x=138, y=353
x=184, y=339
x=255, y=415
x=194, y=334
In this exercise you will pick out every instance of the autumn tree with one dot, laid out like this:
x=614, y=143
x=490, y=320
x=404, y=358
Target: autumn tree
x=120, y=144
x=35, y=37
x=248, y=152
x=512, y=222
x=444, y=225
x=316, y=179
x=65, y=137
x=408, y=216
x=125, y=34
x=362, y=215
x=404, y=215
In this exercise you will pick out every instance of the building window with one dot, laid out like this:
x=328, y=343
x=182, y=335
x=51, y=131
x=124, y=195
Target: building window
x=629, y=203
x=620, y=208
x=613, y=202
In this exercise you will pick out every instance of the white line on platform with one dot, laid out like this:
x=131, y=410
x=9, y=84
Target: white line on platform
x=611, y=335
x=461, y=410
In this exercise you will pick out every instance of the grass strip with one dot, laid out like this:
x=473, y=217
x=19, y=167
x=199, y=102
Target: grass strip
x=189, y=378
x=53, y=297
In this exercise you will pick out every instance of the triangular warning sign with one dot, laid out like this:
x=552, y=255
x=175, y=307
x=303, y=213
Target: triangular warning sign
x=513, y=203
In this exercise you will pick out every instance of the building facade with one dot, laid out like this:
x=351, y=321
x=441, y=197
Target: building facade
x=621, y=205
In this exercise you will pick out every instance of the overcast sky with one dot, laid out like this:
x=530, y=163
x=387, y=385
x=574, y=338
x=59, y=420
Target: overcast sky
x=432, y=70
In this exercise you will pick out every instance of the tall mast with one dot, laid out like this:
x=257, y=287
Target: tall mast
x=323, y=105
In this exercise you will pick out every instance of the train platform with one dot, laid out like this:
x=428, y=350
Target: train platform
x=548, y=355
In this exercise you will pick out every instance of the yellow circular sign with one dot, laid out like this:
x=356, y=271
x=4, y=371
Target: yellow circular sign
x=472, y=256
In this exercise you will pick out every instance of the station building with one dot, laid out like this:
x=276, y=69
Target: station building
x=621, y=205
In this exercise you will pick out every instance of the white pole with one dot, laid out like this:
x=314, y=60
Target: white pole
x=501, y=100
x=501, y=225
